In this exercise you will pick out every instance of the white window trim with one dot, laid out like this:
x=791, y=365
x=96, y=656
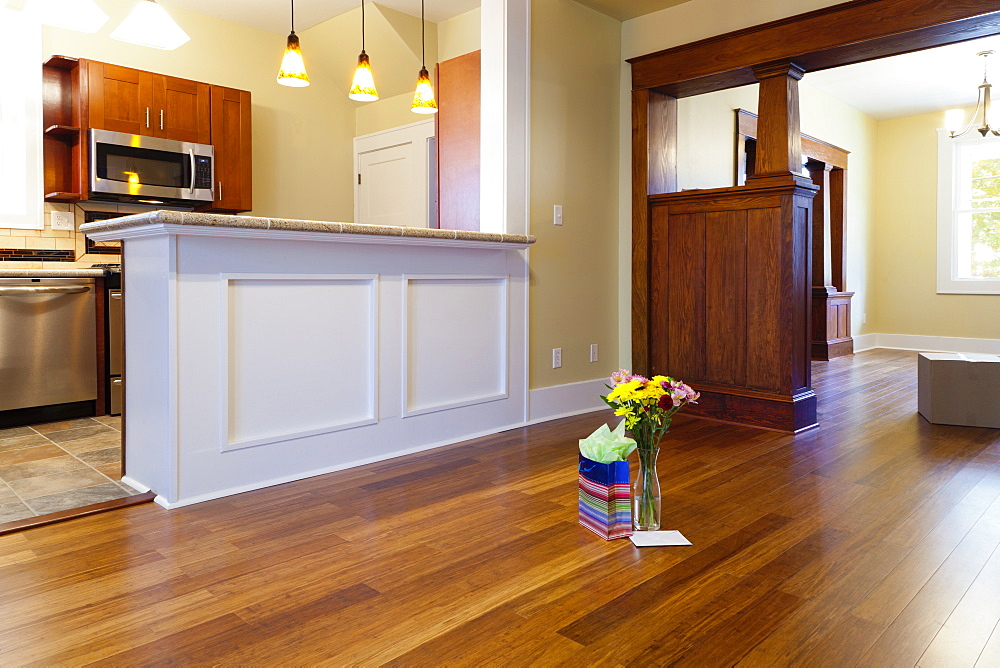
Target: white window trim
x=947, y=283
x=21, y=83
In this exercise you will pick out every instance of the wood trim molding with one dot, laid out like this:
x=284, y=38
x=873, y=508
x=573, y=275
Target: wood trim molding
x=654, y=172
x=851, y=32
x=817, y=149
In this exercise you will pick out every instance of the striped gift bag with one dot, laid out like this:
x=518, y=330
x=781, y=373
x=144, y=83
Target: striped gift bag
x=605, y=500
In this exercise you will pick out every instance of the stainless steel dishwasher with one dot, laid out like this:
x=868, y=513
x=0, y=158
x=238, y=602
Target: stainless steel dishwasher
x=48, y=348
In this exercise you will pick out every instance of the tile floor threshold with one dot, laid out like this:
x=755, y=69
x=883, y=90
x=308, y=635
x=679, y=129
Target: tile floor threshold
x=72, y=513
x=61, y=469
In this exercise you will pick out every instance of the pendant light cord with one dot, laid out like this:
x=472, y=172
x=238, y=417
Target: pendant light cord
x=362, y=26
x=423, y=55
x=293, y=15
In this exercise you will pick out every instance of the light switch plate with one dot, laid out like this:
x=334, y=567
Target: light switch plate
x=62, y=220
x=557, y=214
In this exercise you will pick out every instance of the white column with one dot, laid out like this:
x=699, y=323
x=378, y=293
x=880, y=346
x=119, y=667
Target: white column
x=506, y=42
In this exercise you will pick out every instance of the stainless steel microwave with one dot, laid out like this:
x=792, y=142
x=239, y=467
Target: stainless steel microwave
x=150, y=170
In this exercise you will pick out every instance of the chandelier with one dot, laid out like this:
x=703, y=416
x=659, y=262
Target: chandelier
x=955, y=118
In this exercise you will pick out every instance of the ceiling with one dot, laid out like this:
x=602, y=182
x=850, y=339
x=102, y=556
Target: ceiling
x=913, y=83
x=274, y=15
x=624, y=10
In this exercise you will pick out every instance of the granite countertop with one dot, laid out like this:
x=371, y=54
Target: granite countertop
x=251, y=222
x=51, y=273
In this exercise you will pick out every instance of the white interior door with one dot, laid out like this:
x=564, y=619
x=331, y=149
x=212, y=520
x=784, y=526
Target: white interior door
x=395, y=176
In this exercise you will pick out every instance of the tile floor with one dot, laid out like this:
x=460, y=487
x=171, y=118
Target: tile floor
x=56, y=466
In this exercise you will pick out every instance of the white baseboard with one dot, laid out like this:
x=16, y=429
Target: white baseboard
x=559, y=401
x=135, y=484
x=937, y=344
x=864, y=342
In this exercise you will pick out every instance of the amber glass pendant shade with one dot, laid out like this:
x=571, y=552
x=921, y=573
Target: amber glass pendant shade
x=293, y=68
x=363, y=88
x=423, y=98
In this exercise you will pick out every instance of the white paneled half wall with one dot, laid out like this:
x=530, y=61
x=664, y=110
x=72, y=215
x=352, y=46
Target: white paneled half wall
x=260, y=356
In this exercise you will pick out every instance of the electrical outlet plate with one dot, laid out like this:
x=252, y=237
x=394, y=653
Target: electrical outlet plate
x=61, y=220
x=557, y=358
x=557, y=214
x=593, y=352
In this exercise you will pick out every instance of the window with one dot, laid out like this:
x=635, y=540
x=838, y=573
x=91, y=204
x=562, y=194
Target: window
x=20, y=122
x=968, y=214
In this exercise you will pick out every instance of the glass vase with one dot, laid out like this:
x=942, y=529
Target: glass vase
x=646, y=492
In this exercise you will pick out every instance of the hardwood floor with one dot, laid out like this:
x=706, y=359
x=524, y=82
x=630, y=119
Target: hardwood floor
x=870, y=541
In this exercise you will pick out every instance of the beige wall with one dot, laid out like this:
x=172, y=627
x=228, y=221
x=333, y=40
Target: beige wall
x=574, y=155
x=385, y=113
x=459, y=35
x=904, y=266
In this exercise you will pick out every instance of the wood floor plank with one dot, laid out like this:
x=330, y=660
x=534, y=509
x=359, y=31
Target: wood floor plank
x=872, y=540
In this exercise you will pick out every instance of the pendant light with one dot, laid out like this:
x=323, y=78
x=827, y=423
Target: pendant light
x=149, y=25
x=79, y=15
x=293, y=68
x=363, y=88
x=955, y=118
x=423, y=97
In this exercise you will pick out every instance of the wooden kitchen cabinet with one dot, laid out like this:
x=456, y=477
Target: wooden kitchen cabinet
x=231, y=134
x=122, y=99
x=80, y=94
x=181, y=110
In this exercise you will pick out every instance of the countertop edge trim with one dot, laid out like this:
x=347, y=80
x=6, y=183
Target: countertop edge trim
x=158, y=229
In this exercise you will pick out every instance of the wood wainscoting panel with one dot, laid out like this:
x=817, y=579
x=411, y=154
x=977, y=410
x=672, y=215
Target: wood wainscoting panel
x=730, y=300
x=685, y=267
x=765, y=328
x=725, y=302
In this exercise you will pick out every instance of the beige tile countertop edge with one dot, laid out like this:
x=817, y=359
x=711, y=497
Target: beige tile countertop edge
x=26, y=272
x=258, y=223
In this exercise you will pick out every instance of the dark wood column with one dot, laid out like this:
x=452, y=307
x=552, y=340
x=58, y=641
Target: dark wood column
x=779, y=140
x=831, y=307
x=821, y=258
x=654, y=171
x=838, y=203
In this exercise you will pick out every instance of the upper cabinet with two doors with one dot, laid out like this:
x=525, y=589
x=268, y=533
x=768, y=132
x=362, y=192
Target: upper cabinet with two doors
x=83, y=94
x=142, y=103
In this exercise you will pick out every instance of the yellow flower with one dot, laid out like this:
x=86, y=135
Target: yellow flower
x=625, y=392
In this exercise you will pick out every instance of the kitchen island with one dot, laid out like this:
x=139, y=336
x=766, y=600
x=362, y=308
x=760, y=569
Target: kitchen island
x=261, y=351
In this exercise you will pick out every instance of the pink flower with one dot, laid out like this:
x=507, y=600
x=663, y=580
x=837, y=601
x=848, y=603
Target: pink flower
x=620, y=376
x=689, y=393
x=641, y=379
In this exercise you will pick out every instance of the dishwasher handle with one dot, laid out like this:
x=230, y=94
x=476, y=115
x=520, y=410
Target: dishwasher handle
x=43, y=290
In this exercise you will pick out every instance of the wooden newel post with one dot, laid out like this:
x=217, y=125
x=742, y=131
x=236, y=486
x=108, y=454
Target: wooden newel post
x=779, y=140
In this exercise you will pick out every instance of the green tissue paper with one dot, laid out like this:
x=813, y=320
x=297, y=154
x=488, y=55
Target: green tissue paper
x=607, y=446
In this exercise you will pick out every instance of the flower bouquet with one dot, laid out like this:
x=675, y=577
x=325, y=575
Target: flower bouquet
x=648, y=406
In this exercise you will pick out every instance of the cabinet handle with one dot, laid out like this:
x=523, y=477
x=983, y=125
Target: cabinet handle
x=220, y=191
x=147, y=117
x=191, y=187
x=161, y=119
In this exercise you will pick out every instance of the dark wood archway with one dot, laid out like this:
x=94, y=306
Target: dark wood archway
x=737, y=323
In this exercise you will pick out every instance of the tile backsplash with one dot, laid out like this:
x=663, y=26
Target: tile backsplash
x=48, y=248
